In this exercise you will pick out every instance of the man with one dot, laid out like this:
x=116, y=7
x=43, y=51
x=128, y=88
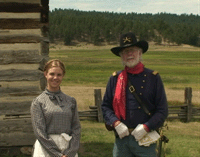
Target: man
x=122, y=110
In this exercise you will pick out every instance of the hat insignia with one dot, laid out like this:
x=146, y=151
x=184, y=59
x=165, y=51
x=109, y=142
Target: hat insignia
x=127, y=39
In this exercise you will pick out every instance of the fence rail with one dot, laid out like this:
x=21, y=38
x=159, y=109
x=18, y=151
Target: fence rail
x=185, y=112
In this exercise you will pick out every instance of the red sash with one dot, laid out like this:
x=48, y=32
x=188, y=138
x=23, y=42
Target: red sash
x=119, y=101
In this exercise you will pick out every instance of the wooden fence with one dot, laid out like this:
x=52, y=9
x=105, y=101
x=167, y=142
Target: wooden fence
x=185, y=112
x=21, y=133
x=94, y=112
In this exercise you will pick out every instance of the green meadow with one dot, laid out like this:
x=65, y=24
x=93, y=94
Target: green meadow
x=93, y=67
x=184, y=140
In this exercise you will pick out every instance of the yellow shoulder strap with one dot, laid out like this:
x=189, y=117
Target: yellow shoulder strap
x=114, y=73
x=155, y=72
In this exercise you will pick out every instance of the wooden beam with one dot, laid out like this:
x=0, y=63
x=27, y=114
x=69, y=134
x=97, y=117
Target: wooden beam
x=44, y=2
x=98, y=101
x=18, y=138
x=43, y=82
x=15, y=107
x=21, y=1
x=16, y=132
x=20, y=75
x=21, y=31
x=42, y=63
x=188, y=100
x=19, y=7
x=19, y=67
x=13, y=88
x=20, y=91
x=45, y=31
x=20, y=46
x=10, y=15
x=13, y=91
x=20, y=38
x=15, y=104
x=44, y=16
x=20, y=24
x=20, y=56
x=45, y=48
x=16, y=99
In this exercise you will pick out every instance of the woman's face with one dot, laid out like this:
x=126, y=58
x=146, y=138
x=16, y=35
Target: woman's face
x=54, y=78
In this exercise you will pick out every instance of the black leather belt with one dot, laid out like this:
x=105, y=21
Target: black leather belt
x=130, y=130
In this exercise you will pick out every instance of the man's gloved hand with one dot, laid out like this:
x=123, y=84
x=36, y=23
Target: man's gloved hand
x=122, y=130
x=139, y=132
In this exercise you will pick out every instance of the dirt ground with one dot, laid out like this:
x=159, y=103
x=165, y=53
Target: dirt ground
x=85, y=95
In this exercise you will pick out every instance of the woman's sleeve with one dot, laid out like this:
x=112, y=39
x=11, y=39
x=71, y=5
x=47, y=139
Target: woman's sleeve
x=39, y=128
x=76, y=132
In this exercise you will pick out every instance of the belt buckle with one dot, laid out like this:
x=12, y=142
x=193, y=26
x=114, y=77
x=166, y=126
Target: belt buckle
x=132, y=89
x=130, y=130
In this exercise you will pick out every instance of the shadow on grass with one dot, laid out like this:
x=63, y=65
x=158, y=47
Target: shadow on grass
x=95, y=149
x=165, y=152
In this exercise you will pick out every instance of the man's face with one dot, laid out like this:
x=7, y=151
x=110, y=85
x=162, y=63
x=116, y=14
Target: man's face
x=131, y=56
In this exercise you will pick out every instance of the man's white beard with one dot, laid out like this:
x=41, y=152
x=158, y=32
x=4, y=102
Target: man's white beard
x=131, y=64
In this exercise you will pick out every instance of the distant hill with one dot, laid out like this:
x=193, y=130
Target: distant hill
x=100, y=27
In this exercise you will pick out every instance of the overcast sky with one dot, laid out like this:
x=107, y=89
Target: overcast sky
x=137, y=6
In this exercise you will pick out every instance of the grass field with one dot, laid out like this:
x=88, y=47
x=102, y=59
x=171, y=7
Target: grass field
x=178, y=69
x=93, y=67
x=184, y=140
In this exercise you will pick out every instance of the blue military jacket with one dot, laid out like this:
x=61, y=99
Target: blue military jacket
x=150, y=89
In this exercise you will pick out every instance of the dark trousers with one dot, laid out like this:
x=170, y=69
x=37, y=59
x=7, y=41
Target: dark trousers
x=128, y=147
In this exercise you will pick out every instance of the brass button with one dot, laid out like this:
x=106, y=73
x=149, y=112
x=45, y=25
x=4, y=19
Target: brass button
x=145, y=75
x=142, y=87
x=143, y=80
x=139, y=107
x=140, y=93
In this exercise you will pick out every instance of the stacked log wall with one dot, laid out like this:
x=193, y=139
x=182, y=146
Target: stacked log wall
x=24, y=49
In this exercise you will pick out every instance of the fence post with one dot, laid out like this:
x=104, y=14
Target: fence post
x=98, y=101
x=188, y=101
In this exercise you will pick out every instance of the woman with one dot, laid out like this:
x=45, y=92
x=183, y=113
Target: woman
x=54, y=117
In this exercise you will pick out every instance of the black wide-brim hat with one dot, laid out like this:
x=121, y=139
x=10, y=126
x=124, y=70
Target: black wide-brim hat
x=128, y=40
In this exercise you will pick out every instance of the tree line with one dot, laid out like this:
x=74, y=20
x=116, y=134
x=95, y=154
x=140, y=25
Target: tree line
x=99, y=27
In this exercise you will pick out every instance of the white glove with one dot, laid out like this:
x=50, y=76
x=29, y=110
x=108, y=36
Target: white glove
x=139, y=132
x=149, y=138
x=122, y=130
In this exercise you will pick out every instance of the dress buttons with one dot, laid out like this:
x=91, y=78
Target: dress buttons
x=143, y=80
x=139, y=107
x=140, y=93
x=142, y=87
x=145, y=75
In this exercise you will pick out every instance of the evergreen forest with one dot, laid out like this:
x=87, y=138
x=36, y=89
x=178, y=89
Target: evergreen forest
x=70, y=25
